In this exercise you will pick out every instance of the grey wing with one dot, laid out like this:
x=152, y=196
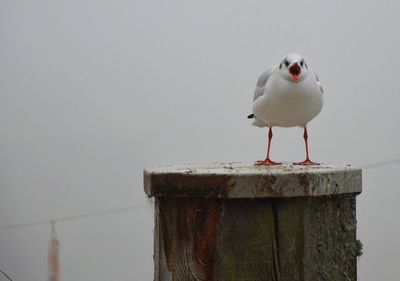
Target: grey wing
x=258, y=93
x=319, y=83
x=261, y=83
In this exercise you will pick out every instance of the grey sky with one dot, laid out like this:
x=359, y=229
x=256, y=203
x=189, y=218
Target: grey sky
x=91, y=92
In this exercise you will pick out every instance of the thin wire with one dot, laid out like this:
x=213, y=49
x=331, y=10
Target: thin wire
x=380, y=164
x=53, y=230
x=5, y=274
x=123, y=209
x=70, y=218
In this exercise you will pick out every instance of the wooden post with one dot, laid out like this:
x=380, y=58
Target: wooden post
x=250, y=223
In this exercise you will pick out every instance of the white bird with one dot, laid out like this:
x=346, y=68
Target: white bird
x=287, y=95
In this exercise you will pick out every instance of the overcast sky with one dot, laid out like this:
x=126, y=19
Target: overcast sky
x=92, y=92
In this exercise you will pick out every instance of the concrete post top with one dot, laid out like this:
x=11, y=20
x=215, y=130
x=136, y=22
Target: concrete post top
x=246, y=180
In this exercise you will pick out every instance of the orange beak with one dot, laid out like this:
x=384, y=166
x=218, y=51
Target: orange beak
x=295, y=71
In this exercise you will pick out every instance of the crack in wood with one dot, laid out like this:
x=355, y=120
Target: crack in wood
x=276, y=241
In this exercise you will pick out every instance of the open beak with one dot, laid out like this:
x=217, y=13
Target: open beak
x=295, y=71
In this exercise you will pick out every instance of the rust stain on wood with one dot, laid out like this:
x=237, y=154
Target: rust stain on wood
x=188, y=185
x=268, y=186
x=189, y=228
x=304, y=181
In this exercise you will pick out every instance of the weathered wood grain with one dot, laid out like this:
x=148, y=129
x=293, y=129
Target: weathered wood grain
x=246, y=180
x=214, y=237
x=256, y=239
x=249, y=250
x=188, y=230
x=331, y=247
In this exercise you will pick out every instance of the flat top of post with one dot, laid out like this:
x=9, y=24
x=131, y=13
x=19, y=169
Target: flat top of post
x=246, y=180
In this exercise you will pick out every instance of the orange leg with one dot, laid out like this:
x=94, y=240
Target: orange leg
x=267, y=160
x=307, y=161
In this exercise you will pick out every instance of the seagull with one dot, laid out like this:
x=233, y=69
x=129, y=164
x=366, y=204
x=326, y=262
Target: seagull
x=287, y=95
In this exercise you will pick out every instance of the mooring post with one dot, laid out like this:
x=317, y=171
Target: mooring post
x=244, y=222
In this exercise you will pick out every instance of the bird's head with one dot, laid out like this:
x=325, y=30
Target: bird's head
x=293, y=68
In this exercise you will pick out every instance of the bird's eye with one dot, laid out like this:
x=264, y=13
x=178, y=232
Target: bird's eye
x=302, y=63
x=286, y=63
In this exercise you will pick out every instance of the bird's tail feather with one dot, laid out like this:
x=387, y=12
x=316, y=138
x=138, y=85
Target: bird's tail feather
x=257, y=122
